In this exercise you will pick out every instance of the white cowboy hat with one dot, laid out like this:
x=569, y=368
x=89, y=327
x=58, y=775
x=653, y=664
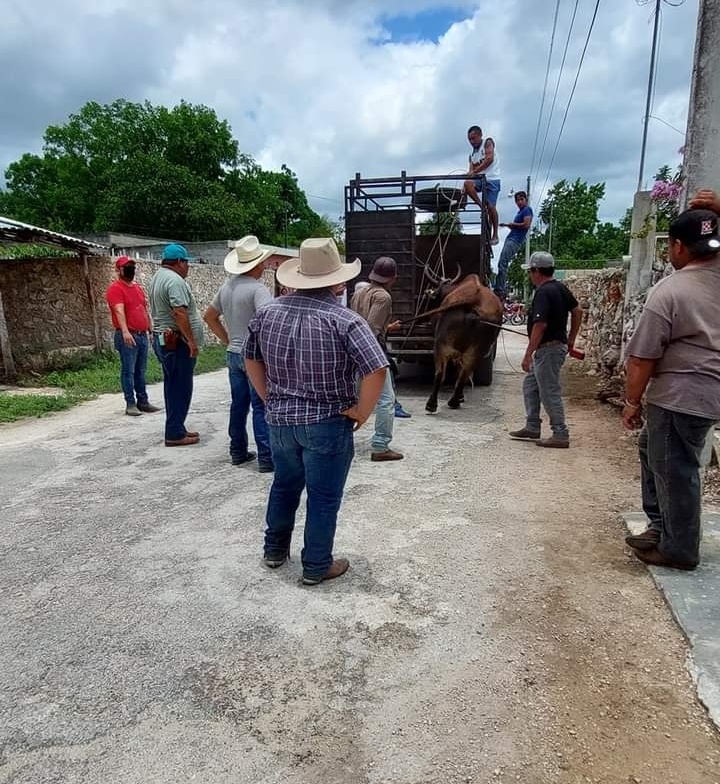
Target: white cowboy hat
x=246, y=255
x=319, y=266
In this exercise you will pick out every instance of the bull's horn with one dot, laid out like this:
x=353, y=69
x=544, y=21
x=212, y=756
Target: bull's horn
x=458, y=275
x=431, y=276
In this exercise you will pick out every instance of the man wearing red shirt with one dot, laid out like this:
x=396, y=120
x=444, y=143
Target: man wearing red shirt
x=131, y=319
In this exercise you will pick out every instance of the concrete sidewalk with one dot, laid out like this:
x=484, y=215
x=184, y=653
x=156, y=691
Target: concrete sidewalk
x=693, y=598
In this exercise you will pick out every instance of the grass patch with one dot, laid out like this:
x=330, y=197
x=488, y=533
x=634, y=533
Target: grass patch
x=14, y=407
x=86, y=377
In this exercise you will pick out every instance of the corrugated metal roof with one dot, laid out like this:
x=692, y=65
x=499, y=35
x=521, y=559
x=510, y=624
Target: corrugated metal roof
x=16, y=231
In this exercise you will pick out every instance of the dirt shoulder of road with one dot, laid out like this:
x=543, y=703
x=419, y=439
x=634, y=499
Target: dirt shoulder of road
x=607, y=674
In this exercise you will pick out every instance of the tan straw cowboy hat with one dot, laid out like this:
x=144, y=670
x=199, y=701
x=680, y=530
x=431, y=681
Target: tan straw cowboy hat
x=319, y=266
x=246, y=255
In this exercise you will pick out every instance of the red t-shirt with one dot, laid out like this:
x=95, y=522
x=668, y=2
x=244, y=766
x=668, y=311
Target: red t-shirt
x=133, y=297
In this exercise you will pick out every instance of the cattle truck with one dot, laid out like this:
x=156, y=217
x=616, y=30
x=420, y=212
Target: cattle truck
x=432, y=236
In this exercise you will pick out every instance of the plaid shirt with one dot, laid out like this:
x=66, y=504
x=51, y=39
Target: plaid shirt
x=315, y=351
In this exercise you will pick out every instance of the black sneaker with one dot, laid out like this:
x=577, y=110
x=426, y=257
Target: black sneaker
x=236, y=460
x=524, y=435
x=266, y=468
x=275, y=560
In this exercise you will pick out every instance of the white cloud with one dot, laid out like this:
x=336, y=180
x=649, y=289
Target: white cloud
x=322, y=87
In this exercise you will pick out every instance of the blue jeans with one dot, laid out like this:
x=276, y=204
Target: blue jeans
x=384, y=416
x=177, y=367
x=133, y=361
x=242, y=397
x=493, y=190
x=671, y=446
x=542, y=385
x=317, y=458
x=510, y=249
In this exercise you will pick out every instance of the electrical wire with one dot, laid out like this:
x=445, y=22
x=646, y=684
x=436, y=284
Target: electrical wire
x=572, y=94
x=544, y=92
x=557, y=84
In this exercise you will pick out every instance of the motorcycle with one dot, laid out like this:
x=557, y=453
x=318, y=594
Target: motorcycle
x=514, y=313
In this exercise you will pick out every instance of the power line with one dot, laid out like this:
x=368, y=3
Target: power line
x=325, y=198
x=557, y=83
x=572, y=94
x=547, y=74
x=660, y=119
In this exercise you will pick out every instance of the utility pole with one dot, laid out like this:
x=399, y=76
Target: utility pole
x=701, y=163
x=527, y=237
x=648, y=101
x=701, y=159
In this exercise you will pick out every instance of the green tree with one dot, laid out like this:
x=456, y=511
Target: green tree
x=441, y=223
x=572, y=231
x=148, y=169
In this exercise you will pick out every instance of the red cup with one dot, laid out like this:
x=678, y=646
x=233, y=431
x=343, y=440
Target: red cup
x=576, y=353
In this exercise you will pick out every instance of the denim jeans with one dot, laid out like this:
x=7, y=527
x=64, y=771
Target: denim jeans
x=510, y=249
x=317, y=458
x=177, y=367
x=242, y=397
x=671, y=445
x=542, y=385
x=384, y=416
x=133, y=361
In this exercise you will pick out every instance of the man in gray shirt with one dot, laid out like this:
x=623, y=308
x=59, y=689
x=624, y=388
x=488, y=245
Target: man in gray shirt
x=674, y=359
x=237, y=301
x=177, y=335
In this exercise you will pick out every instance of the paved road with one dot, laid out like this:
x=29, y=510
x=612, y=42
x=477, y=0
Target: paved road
x=492, y=627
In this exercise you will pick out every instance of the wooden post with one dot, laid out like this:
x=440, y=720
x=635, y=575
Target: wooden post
x=93, y=303
x=5, y=346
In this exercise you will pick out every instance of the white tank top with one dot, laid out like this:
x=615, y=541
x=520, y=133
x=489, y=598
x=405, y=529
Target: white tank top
x=493, y=170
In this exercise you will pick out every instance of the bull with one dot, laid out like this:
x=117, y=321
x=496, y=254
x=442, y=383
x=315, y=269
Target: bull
x=465, y=334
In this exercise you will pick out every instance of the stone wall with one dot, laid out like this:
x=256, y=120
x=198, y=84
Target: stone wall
x=611, y=316
x=601, y=296
x=57, y=305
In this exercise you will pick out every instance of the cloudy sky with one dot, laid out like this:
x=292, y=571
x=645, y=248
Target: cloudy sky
x=332, y=87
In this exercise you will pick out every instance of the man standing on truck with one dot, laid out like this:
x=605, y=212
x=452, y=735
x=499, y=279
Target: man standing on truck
x=483, y=160
x=513, y=242
x=374, y=304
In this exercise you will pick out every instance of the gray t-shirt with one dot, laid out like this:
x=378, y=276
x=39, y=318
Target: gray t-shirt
x=169, y=290
x=238, y=299
x=680, y=327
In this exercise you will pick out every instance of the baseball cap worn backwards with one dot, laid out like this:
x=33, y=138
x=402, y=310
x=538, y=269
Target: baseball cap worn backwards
x=123, y=261
x=698, y=231
x=175, y=252
x=540, y=260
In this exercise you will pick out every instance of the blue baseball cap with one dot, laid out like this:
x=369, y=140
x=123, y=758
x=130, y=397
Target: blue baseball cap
x=175, y=252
